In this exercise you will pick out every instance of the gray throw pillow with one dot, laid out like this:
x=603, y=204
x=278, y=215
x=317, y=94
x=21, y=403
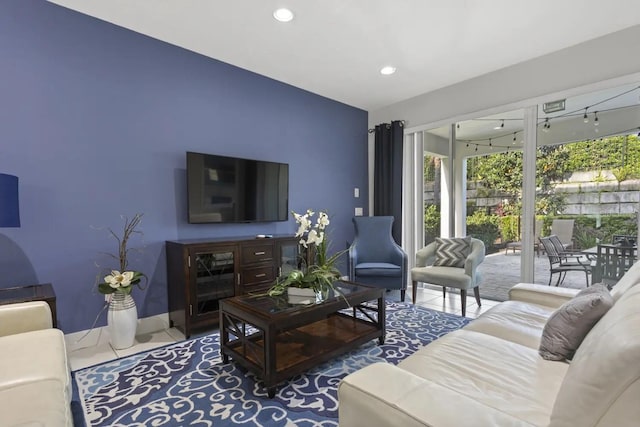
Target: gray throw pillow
x=452, y=252
x=595, y=288
x=568, y=325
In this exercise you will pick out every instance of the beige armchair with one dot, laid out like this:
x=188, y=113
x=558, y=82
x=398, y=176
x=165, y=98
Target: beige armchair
x=462, y=278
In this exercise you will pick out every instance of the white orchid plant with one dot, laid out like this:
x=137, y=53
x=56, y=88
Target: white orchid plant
x=322, y=273
x=122, y=280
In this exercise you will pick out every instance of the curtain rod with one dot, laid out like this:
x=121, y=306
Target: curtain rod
x=388, y=125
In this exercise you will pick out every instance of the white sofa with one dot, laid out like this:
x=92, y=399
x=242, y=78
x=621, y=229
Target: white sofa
x=35, y=382
x=489, y=373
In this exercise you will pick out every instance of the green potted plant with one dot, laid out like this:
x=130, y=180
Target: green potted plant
x=316, y=279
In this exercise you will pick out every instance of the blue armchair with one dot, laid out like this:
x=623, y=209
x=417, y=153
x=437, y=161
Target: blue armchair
x=374, y=257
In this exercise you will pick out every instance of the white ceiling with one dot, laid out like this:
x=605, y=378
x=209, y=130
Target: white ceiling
x=335, y=48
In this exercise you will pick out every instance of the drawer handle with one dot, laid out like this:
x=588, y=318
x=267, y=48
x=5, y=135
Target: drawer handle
x=261, y=275
x=259, y=253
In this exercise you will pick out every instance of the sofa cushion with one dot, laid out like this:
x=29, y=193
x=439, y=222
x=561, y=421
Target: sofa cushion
x=378, y=269
x=381, y=394
x=496, y=373
x=450, y=277
x=569, y=324
x=515, y=321
x=452, y=252
x=38, y=403
x=34, y=356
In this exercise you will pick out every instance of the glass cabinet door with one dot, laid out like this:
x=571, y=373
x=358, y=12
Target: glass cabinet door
x=214, y=280
x=290, y=257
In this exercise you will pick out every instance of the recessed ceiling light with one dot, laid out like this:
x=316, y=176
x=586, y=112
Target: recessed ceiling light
x=388, y=70
x=283, y=15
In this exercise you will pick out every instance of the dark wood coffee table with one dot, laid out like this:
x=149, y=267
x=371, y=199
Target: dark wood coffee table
x=277, y=340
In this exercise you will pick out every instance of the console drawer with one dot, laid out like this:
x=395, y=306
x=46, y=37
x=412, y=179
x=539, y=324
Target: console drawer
x=261, y=274
x=252, y=254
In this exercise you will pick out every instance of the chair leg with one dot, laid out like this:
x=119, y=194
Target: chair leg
x=402, y=293
x=463, y=299
x=586, y=273
x=444, y=292
x=561, y=277
x=558, y=281
x=414, y=290
x=476, y=292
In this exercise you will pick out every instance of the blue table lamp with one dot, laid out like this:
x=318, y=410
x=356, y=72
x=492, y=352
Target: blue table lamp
x=9, y=205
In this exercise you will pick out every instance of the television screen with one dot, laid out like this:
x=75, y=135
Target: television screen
x=229, y=189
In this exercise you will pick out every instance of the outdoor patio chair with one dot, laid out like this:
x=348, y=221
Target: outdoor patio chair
x=563, y=228
x=561, y=262
x=536, y=243
x=624, y=240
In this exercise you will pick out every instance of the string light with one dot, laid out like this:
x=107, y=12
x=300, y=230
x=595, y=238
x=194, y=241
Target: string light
x=547, y=125
x=500, y=126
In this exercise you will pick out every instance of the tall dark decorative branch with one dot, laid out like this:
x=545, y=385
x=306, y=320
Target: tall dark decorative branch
x=129, y=229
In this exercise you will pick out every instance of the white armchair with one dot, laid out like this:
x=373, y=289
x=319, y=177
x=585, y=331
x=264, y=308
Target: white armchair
x=462, y=278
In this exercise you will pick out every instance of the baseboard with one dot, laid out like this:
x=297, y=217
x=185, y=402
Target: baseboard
x=97, y=336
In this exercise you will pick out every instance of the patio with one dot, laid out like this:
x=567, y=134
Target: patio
x=500, y=271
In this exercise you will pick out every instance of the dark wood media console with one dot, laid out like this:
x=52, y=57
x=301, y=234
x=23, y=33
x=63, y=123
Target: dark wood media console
x=202, y=272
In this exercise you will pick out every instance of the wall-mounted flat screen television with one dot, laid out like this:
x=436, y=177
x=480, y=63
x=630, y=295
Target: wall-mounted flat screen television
x=229, y=189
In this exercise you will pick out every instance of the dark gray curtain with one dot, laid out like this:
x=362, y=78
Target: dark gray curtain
x=387, y=182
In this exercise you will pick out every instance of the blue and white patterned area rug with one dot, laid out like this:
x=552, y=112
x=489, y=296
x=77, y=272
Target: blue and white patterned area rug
x=186, y=384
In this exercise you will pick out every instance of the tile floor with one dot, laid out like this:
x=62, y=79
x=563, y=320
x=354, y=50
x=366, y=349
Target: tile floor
x=94, y=348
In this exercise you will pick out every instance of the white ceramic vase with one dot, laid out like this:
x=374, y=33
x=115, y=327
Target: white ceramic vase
x=122, y=320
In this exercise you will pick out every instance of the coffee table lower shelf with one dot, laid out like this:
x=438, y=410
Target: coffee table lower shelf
x=295, y=350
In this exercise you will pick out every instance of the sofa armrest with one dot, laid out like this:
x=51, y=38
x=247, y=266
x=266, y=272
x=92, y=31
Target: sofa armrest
x=384, y=395
x=24, y=317
x=541, y=294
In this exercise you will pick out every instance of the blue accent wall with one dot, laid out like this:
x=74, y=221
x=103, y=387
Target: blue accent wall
x=95, y=120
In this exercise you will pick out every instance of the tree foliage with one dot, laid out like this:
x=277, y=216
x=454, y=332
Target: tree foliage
x=503, y=171
x=609, y=153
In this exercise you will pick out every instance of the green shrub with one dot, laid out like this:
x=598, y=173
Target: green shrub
x=587, y=232
x=431, y=223
x=484, y=227
x=622, y=174
x=508, y=226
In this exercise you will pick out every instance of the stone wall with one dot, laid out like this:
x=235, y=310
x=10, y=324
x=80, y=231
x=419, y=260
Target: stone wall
x=586, y=193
